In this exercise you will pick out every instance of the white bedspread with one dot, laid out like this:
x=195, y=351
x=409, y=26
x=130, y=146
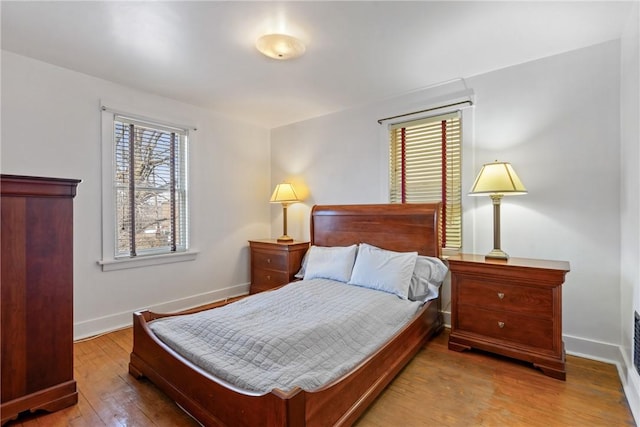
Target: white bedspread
x=305, y=334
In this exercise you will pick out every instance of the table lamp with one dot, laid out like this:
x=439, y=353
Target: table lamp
x=285, y=194
x=497, y=179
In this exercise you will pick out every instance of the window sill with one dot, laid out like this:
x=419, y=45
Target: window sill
x=146, y=261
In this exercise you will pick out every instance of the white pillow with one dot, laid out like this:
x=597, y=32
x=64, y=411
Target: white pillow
x=384, y=270
x=427, y=277
x=333, y=263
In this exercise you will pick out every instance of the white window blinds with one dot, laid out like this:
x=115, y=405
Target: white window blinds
x=425, y=166
x=150, y=188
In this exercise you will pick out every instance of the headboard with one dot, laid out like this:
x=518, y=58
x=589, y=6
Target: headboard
x=397, y=227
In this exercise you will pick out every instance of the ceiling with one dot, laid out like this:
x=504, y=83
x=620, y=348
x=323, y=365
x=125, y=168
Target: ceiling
x=203, y=52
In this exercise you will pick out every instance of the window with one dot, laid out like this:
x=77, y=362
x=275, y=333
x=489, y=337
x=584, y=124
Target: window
x=145, y=191
x=150, y=188
x=425, y=166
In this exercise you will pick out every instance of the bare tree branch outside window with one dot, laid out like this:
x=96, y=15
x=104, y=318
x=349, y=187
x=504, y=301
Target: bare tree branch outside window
x=147, y=222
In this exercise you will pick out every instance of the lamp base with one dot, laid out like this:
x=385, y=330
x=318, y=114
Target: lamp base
x=497, y=254
x=284, y=239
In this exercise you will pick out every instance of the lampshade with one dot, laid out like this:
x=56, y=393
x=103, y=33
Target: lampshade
x=284, y=193
x=497, y=178
x=280, y=46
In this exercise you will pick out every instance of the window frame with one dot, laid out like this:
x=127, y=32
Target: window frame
x=466, y=143
x=109, y=259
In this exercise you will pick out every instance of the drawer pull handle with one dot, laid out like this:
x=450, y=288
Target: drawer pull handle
x=268, y=277
x=501, y=325
x=501, y=295
x=268, y=260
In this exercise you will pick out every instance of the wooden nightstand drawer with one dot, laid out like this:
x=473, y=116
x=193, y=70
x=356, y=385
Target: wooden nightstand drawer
x=526, y=330
x=504, y=296
x=264, y=278
x=271, y=259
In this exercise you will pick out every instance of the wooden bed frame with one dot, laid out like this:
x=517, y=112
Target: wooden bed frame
x=214, y=402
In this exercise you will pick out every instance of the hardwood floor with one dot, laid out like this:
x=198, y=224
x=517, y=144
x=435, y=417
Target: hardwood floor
x=438, y=388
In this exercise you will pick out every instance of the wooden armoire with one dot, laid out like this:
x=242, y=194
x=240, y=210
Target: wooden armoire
x=36, y=295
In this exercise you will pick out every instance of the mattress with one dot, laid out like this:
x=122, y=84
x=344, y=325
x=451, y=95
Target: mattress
x=306, y=334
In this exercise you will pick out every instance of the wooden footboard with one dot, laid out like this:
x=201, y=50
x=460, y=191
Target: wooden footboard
x=214, y=402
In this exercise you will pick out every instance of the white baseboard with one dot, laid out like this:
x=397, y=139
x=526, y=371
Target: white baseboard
x=446, y=317
x=101, y=325
x=595, y=350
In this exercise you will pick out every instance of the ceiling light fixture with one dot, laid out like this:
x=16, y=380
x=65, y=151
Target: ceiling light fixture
x=280, y=46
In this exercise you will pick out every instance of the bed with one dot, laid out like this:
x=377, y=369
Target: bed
x=216, y=402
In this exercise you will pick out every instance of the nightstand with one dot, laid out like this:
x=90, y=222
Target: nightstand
x=510, y=307
x=273, y=263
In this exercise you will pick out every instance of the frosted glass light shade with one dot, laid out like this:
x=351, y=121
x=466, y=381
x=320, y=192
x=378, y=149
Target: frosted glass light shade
x=280, y=46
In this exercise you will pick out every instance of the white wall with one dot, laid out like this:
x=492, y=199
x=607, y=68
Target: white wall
x=630, y=205
x=51, y=127
x=556, y=120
